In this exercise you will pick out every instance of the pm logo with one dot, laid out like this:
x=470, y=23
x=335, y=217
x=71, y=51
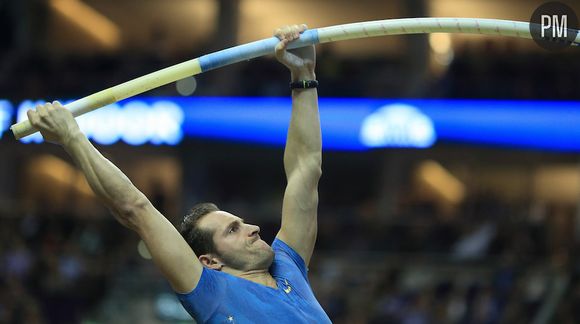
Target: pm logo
x=554, y=26
x=558, y=30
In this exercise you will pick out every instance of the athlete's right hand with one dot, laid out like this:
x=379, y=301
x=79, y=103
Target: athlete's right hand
x=56, y=123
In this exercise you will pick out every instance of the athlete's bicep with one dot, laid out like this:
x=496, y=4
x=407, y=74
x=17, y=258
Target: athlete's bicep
x=170, y=252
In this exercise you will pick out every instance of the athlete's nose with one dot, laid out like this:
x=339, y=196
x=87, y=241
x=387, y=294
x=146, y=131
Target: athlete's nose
x=254, y=230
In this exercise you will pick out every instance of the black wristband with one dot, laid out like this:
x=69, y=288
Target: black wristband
x=304, y=84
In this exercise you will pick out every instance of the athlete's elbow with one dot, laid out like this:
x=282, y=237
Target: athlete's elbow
x=313, y=165
x=130, y=212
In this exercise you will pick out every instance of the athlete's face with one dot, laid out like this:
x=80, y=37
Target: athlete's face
x=238, y=244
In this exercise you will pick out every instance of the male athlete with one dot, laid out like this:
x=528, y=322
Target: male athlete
x=219, y=267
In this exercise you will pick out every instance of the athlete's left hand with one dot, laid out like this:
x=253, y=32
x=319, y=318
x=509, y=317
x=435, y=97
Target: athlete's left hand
x=300, y=61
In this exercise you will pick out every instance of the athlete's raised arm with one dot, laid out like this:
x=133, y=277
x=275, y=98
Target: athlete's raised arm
x=303, y=152
x=130, y=207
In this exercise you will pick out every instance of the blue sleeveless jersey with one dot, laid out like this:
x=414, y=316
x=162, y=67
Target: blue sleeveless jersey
x=222, y=298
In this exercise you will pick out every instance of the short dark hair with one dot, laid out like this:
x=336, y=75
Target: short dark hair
x=200, y=240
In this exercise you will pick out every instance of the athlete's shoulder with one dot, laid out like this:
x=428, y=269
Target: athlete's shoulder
x=205, y=298
x=287, y=260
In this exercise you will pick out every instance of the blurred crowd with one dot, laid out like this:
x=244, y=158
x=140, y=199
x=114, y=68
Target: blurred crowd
x=54, y=268
x=489, y=263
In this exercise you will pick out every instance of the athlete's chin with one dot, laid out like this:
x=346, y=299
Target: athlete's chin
x=266, y=256
x=268, y=261
x=261, y=253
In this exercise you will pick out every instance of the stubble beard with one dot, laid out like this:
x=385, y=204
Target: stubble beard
x=259, y=260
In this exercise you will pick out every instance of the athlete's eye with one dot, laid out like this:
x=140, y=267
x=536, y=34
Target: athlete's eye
x=233, y=229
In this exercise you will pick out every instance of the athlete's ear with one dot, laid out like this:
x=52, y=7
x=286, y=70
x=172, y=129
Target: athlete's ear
x=209, y=261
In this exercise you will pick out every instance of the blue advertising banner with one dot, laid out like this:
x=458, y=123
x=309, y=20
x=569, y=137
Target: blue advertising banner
x=347, y=123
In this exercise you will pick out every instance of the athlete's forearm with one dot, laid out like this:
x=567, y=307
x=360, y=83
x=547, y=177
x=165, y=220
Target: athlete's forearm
x=304, y=144
x=107, y=181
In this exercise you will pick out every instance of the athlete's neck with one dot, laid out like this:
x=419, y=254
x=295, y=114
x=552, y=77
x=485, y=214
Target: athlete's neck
x=262, y=277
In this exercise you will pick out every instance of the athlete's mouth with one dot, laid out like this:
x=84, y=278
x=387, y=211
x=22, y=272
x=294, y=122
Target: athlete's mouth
x=256, y=239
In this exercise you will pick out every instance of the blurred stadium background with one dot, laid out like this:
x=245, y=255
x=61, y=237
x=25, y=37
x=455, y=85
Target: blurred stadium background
x=480, y=223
